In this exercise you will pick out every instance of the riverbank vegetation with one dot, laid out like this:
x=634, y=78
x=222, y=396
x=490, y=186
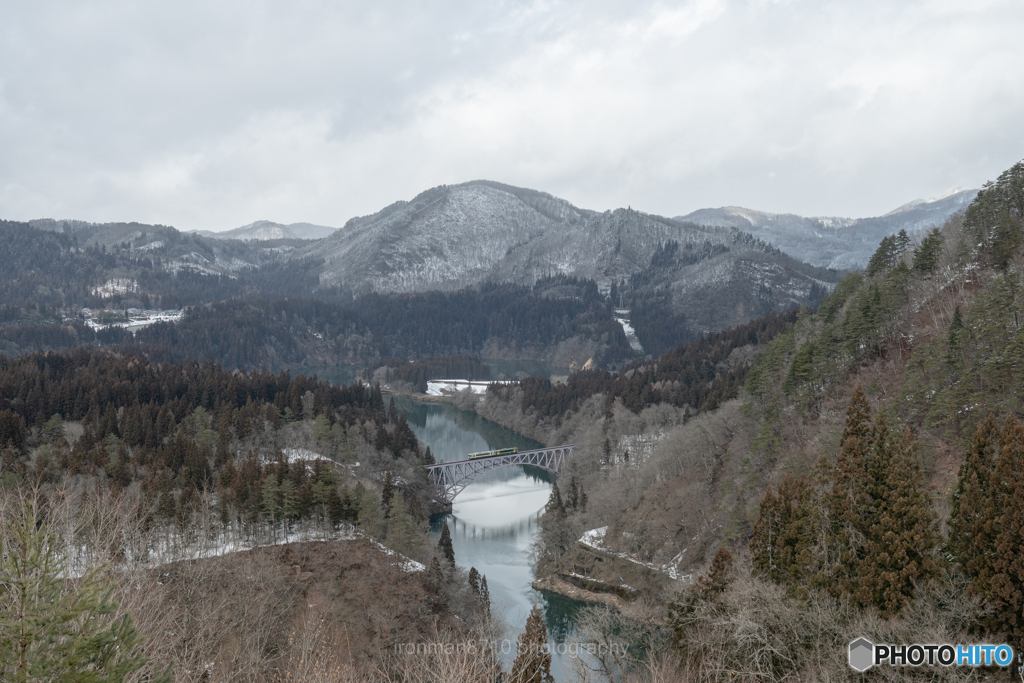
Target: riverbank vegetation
x=560, y=318
x=863, y=482
x=755, y=499
x=238, y=519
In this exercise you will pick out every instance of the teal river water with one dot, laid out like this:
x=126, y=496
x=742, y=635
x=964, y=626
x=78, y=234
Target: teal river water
x=493, y=521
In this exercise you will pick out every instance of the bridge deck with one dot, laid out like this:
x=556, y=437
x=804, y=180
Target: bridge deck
x=452, y=477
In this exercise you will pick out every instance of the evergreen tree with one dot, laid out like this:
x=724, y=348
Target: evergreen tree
x=270, y=504
x=346, y=507
x=927, y=255
x=387, y=492
x=289, y=497
x=971, y=530
x=478, y=587
x=555, y=500
x=884, y=257
x=901, y=242
x=1006, y=561
x=403, y=534
x=848, y=502
x=954, y=337
x=435, y=585
x=485, y=595
x=783, y=533
x=801, y=373
x=368, y=514
x=572, y=496
x=533, y=656
x=902, y=533
x=717, y=579
x=858, y=418
x=53, y=631
x=335, y=508
x=444, y=545
x=1007, y=237
x=53, y=430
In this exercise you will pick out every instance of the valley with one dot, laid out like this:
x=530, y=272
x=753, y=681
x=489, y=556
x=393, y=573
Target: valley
x=772, y=458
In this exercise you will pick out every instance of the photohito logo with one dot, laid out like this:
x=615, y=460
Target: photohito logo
x=864, y=654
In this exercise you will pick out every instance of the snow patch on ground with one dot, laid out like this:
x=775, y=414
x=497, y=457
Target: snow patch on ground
x=595, y=539
x=640, y=447
x=115, y=286
x=175, y=547
x=136, y=321
x=440, y=387
x=622, y=318
x=291, y=454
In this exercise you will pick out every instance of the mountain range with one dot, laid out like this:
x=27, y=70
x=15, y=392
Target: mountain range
x=450, y=237
x=269, y=230
x=832, y=242
x=712, y=269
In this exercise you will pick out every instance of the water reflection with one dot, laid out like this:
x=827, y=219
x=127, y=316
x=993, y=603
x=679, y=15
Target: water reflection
x=494, y=520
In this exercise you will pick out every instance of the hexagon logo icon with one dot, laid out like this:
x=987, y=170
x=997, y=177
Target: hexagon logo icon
x=862, y=653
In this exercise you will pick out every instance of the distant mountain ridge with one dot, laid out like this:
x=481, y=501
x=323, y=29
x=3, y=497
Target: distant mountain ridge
x=832, y=242
x=269, y=230
x=677, y=278
x=455, y=236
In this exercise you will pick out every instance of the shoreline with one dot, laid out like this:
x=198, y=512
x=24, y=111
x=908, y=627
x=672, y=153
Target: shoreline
x=557, y=585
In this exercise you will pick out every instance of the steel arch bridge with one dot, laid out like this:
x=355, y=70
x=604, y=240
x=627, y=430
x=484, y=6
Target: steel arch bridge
x=452, y=477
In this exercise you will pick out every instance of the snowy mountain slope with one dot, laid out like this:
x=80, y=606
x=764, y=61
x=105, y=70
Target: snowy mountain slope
x=268, y=230
x=830, y=241
x=455, y=236
x=451, y=237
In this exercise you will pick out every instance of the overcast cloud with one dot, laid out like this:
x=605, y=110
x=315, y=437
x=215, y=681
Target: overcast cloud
x=211, y=115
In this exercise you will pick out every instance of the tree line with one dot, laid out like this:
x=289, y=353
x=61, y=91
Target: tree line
x=185, y=428
x=253, y=332
x=697, y=374
x=863, y=527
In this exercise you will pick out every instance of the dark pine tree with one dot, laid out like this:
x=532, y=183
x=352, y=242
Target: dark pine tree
x=971, y=530
x=444, y=546
x=1006, y=587
x=902, y=535
x=533, y=658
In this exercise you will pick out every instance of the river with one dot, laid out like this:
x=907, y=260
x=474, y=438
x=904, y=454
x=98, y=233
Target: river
x=493, y=521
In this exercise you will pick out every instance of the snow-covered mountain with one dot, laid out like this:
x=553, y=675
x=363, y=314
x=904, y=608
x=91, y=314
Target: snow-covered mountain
x=835, y=242
x=268, y=230
x=455, y=236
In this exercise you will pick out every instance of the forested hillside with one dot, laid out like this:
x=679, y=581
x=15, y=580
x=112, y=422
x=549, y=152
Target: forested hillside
x=756, y=497
x=160, y=268
x=497, y=271
x=867, y=481
x=182, y=429
x=194, y=504
x=833, y=241
x=556, y=317
x=697, y=376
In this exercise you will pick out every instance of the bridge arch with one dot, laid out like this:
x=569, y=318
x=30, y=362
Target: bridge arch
x=452, y=477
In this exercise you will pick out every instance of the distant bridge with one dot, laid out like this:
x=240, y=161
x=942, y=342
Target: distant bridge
x=452, y=477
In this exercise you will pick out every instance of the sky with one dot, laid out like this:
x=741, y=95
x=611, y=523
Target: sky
x=212, y=115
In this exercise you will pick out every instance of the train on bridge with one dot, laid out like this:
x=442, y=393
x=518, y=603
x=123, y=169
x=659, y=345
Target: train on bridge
x=498, y=451
x=452, y=477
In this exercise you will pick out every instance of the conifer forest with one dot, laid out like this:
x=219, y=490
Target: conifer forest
x=183, y=499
